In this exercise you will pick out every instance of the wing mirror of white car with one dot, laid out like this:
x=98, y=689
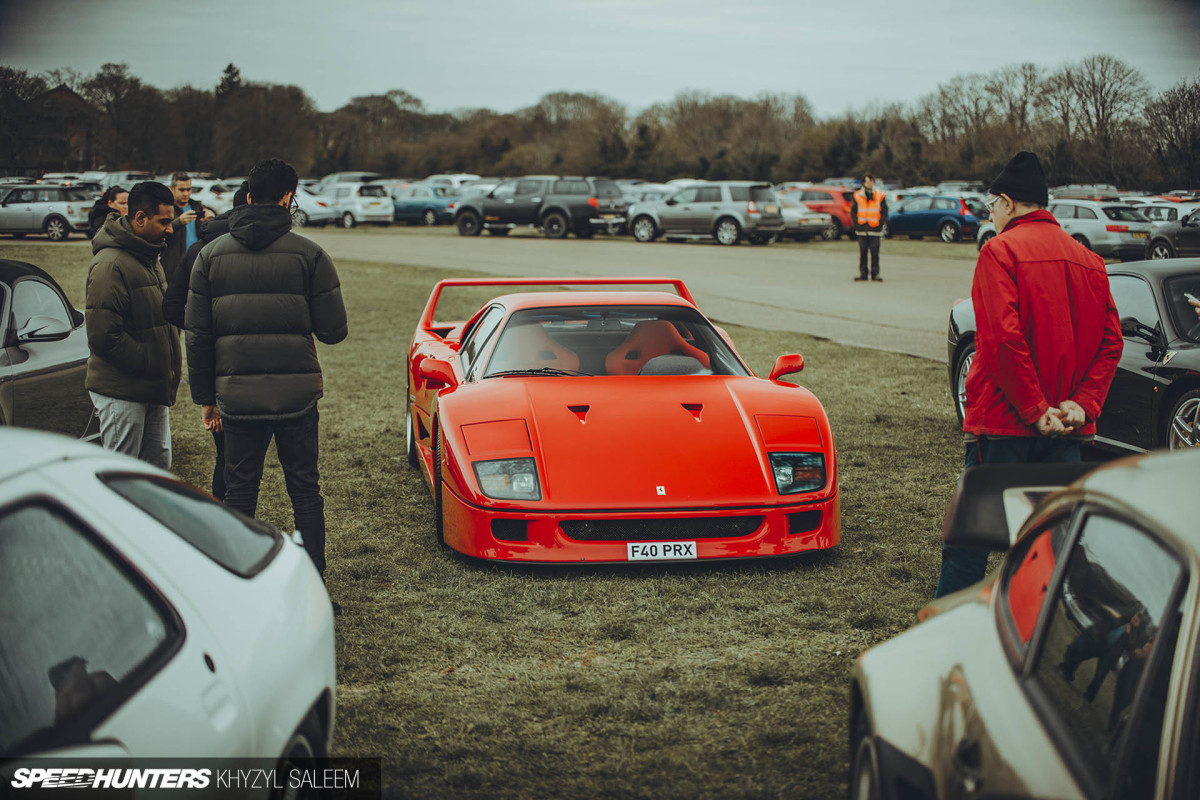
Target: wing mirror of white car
x=437, y=371
x=43, y=329
x=993, y=501
x=787, y=365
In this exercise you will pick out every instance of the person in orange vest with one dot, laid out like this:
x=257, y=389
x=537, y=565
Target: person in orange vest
x=868, y=212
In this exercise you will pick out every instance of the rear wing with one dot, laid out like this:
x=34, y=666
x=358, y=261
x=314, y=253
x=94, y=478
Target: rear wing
x=427, y=316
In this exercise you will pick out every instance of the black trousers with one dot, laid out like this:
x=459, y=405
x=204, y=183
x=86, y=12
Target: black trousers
x=868, y=244
x=218, y=483
x=296, y=443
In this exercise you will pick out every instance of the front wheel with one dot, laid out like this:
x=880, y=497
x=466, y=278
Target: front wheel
x=959, y=389
x=727, y=232
x=57, y=229
x=1160, y=250
x=948, y=232
x=348, y=220
x=301, y=752
x=468, y=224
x=644, y=229
x=555, y=225
x=1185, y=422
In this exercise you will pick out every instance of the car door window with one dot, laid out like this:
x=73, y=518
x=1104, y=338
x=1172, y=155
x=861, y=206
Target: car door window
x=1134, y=299
x=22, y=196
x=1026, y=578
x=79, y=631
x=528, y=187
x=918, y=204
x=504, y=191
x=477, y=338
x=1084, y=213
x=943, y=204
x=32, y=298
x=1061, y=212
x=709, y=194
x=1111, y=624
x=686, y=196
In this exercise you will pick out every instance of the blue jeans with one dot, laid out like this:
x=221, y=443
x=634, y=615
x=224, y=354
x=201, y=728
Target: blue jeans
x=962, y=566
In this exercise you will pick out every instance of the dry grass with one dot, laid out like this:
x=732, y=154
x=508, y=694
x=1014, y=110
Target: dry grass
x=718, y=680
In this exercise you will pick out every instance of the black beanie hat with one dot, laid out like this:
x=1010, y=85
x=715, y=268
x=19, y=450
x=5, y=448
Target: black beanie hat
x=1023, y=180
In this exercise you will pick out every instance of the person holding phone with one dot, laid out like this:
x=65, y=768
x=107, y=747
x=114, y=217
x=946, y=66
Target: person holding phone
x=187, y=213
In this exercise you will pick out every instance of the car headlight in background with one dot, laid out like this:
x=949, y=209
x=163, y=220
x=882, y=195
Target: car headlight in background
x=798, y=472
x=509, y=479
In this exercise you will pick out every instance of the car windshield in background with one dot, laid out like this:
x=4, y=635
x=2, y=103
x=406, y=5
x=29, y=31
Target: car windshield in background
x=607, y=189
x=1183, y=313
x=611, y=340
x=762, y=194
x=1124, y=214
x=442, y=191
x=976, y=207
x=241, y=545
x=372, y=191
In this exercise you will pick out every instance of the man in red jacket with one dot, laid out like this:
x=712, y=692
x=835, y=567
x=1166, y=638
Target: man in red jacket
x=1047, y=343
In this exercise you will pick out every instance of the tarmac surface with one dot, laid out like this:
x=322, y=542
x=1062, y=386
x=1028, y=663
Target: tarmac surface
x=806, y=287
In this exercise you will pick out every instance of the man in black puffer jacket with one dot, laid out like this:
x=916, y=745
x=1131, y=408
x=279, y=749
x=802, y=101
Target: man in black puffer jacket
x=257, y=298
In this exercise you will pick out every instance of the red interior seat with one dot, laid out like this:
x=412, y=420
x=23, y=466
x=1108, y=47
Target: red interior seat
x=647, y=340
x=530, y=347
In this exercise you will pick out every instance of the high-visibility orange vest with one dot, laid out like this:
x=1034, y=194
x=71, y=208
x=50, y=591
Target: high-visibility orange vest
x=869, y=212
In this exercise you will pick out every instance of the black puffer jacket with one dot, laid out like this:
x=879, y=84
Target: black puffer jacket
x=175, y=298
x=257, y=298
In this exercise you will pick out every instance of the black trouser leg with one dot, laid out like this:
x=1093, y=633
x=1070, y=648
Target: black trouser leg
x=873, y=246
x=862, y=256
x=245, y=449
x=296, y=441
x=218, y=480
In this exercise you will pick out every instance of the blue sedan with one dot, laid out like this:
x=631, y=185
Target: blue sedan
x=946, y=216
x=425, y=204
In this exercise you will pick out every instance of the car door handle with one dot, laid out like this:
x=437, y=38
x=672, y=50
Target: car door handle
x=535, y=199
x=509, y=202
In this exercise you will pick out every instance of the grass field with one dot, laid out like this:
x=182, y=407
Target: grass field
x=724, y=680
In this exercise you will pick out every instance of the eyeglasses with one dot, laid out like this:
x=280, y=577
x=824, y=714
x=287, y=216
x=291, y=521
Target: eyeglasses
x=990, y=203
x=293, y=205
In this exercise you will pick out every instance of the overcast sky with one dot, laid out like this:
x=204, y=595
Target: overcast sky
x=453, y=54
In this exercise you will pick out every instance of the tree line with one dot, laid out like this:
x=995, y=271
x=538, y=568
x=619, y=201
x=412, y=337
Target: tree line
x=1094, y=121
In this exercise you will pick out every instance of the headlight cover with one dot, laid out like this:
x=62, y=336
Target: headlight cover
x=509, y=479
x=798, y=472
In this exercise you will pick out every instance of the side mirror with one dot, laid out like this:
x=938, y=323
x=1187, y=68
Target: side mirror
x=787, y=365
x=1133, y=329
x=43, y=329
x=671, y=201
x=437, y=371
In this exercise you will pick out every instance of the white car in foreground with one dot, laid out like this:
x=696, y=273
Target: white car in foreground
x=141, y=618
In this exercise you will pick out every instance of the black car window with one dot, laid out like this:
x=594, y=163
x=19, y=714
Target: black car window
x=919, y=204
x=79, y=195
x=814, y=197
x=686, y=196
x=1084, y=213
x=763, y=194
x=1062, y=211
x=371, y=191
x=944, y=204
x=477, y=338
x=1026, y=578
x=709, y=194
x=48, y=196
x=21, y=196
x=1134, y=299
x=1183, y=313
x=606, y=188
x=739, y=194
x=1123, y=214
x=79, y=630
x=32, y=298
x=239, y=544
x=528, y=186
x=569, y=187
x=505, y=191
x=1105, y=629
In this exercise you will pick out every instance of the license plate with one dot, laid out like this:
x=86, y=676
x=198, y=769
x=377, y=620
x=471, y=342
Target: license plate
x=1140, y=235
x=610, y=216
x=661, y=551
x=376, y=204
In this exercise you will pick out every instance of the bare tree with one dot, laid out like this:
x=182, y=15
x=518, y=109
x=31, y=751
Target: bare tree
x=1108, y=92
x=1173, y=123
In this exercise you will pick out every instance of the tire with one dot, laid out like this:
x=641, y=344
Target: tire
x=499, y=231
x=439, y=531
x=832, y=232
x=865, y=781
x=410, y=436
x=727, y=231
x=468, y=224
x=958, y=388
x=555, y=225
x=57, y=229
x=948, y=232
x=1079, y=237
x=987, y=237
x=299, y=219
x=429, y=217
x=644, y=229
x=348, y=220
x=1161, y=249
x=1183, y=426
x=303, y=748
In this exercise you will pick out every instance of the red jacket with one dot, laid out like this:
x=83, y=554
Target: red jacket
x=1046, y=329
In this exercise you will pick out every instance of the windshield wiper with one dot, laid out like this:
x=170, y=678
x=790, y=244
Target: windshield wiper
x=537, y=371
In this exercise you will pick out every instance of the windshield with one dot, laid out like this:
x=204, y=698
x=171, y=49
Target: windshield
x=976, y=206
x=1183, y=313
x=372, y=191
x=611, y=340
x=1124, y=214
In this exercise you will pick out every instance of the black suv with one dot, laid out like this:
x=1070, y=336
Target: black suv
x=555, y=204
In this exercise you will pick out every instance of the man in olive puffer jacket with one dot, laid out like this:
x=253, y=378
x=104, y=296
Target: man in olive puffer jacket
x=256, y=299
x=134, y=367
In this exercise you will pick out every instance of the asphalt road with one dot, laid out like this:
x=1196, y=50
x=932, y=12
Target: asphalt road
x=806, y=287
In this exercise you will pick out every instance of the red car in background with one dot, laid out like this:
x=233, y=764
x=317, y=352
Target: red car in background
x=606, y=425
x=832, y=200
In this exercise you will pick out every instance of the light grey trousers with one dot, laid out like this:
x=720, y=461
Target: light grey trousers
x=142, y=430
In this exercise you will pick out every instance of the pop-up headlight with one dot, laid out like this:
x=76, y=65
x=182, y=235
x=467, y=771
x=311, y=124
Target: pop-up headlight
x=798, y=472
x=509, y=479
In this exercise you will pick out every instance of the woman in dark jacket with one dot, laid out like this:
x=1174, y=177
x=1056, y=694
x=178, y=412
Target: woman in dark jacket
x=114, y=199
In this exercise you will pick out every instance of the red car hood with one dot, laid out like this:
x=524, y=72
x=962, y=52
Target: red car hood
x=644, y=442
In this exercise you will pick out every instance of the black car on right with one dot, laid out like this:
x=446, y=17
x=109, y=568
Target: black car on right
x=1154, y=400
x=1178, y=239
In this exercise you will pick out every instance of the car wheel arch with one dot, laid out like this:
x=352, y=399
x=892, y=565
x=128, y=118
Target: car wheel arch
x=1171, y=396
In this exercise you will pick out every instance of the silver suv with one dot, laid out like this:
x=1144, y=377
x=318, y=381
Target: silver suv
x=727, y=211
x=52, y=210
x=1112, y=229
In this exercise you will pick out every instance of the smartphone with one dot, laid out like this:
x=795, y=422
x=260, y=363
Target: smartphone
x=1191, y=297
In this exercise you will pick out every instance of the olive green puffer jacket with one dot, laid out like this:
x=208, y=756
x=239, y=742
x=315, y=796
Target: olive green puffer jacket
x=135, y=354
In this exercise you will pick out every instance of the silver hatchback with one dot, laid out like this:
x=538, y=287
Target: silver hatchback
x=52, y=210
x=1111, y=229
x=727, y=211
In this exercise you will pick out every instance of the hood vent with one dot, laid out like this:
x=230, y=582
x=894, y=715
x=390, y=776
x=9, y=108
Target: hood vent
x=694, y=409
x=580, y=411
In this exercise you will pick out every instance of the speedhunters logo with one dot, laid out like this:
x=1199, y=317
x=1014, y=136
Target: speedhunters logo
x=85, y=778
